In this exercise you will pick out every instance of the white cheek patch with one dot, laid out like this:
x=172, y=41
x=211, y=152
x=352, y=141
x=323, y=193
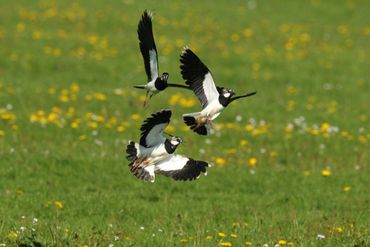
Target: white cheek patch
x=173, y=142
x=227, y=95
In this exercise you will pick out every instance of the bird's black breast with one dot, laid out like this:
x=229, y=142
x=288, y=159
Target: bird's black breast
x=169, y=147
x=160, y=84
x=223, y=100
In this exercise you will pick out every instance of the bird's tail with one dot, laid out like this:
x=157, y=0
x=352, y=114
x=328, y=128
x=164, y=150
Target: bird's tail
x=140, y=86
x=132, y=151
x=200, y=127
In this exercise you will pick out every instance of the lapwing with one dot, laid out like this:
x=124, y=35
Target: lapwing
x=148, y=49
x=212, y=98
x=155, y=153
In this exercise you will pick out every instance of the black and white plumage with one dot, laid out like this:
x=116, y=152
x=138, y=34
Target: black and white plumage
x=153, y=145
x=155, y=83
x=155, y=153
x=212, y=98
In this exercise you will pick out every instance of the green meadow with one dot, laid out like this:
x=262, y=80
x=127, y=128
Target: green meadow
x=290, y=165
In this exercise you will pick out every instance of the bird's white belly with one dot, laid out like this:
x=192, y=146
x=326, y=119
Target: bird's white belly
x=212, y=109
x=151, y=86
x=154, y=154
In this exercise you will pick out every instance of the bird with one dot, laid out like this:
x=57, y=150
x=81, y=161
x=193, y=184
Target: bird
x=155, y=83
x=213, y=99
x=155, y=153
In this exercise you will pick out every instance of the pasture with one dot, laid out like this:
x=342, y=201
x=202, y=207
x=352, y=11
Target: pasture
x=291, y=164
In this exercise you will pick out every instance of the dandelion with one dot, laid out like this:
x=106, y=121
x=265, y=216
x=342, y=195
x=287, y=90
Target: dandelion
x=248, y=32
x=325, y=173
x=220, y=161
x=346, y=188
x=135, y=116
x=233, y=235
x=12, y=234
x=248, y=243
x=58, y=204
x=209, y=238
x=184, y=240
x=221, y=234
x=282, y=242
x=252, y=162
x=227, y=244
x=82, y=137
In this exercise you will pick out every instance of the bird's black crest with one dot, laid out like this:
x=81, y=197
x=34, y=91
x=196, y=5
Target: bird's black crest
x=160, y=117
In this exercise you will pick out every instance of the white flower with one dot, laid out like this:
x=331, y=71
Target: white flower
x=34, y=220
x=142, y=228
x=320, y=236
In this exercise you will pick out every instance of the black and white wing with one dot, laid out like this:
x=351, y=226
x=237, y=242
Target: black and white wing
x=181, y=168
x=152, y=128
x=198, y=77
x=147, y=46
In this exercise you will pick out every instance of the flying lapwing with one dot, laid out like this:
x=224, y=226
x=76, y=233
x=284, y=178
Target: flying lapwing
x=212, y=98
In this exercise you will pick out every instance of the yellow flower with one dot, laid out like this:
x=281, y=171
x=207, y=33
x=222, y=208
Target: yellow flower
x=100, y=96
x=120, y=129
x=243, y=143
x=58, y=204
x=135, y=116
x=85, y=245
x=249, y=127
x=227, y=244
x=82, y=137
x=233, y=235
x=282, y=242
x=51, y=90
x=248, y=243
x=221, y=234
x=36, y=35
x=248, y=32
x=184, y=240
x=326, y=173
x=74, y=125
x=346, y=188
x=220, y=161
x=209, y=237
x=324, y=127
x=12, y=234
x=339, y=229
x=252, y=162
x=75, y=88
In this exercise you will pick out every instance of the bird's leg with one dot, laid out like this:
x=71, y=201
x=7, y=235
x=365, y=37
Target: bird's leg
x=209, y=122
x=146, y=99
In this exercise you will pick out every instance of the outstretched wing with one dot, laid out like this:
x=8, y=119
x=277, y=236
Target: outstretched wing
x=198, y=77
x=181, y=168
x=152, y=128
x=147, y=45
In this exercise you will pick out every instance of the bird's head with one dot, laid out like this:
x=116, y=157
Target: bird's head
x=175, y=141
x=227, y=93
x=164, y=77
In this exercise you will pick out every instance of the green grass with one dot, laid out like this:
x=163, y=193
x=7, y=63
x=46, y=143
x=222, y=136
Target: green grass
x=305, y=58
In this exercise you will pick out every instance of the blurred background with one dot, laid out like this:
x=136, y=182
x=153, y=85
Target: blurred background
x=291, y=163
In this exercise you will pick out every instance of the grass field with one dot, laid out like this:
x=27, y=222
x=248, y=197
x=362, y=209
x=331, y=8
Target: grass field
x=291, y=164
